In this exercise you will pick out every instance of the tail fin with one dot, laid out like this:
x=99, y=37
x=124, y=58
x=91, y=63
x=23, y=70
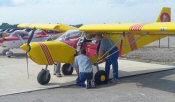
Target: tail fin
x=165, y=15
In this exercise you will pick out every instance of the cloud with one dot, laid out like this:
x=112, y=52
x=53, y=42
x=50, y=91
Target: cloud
x=5, y=3
x=86, y=12
x=17, y=2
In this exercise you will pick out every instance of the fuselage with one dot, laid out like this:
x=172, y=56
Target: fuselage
x=61, y=50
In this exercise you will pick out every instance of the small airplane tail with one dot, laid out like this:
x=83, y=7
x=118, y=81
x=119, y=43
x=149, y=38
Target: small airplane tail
x=165, y=15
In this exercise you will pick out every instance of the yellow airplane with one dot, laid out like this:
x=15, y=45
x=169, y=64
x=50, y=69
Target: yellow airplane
x=128, y=37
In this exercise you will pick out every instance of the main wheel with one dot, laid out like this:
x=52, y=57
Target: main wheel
x=4, y=52
x=101, y=77
x=43, y=77
x=67, y=69
x=9, y=54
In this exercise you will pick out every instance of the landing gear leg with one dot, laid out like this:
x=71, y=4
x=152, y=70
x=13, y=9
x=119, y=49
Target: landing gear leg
x=44, y=76
x=57, y=67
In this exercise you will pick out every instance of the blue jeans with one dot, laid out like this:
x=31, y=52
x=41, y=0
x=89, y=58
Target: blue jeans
x=82, y=77
x=113, y=59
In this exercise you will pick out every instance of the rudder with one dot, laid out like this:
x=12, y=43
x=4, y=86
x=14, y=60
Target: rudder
x=165, y=15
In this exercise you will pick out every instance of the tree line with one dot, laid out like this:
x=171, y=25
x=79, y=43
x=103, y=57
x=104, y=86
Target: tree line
x=4, y=26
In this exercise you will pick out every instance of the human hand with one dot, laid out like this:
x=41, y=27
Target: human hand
x=95, y=64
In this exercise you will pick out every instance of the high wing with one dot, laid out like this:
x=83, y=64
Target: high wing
x=56, y=27
x=157, y=28
x=127, y=36
x=130, y=36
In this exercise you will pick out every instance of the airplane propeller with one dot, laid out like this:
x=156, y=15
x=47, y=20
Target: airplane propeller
x=28, y=44
x=30, y=39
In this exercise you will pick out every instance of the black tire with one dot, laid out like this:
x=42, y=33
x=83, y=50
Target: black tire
x=66, y=69
x=42, y=77
x=101, y=77
x=9, y=54
x=4, y=52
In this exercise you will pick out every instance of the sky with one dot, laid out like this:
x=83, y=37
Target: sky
x=82, y=11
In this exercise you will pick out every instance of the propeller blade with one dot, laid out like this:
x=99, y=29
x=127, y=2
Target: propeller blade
x=27, y=66
x=28, y=42
x=31, y=36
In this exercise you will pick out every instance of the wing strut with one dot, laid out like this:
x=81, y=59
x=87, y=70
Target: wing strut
x=103, y=58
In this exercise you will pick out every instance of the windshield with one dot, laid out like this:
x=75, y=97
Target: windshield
x=71, y=34
x=38, y=31
x=19, y=32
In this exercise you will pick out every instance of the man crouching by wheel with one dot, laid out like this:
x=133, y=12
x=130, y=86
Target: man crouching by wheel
x=83, y=67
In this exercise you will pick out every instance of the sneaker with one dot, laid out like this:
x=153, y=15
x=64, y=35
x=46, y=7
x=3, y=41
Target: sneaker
x=114, y=80
x=92, y=83
x=87, y=84
x=58, y=75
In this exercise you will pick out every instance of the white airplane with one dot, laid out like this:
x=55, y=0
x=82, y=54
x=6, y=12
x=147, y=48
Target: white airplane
x=19, y=37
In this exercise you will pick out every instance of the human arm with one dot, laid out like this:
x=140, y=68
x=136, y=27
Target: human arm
x=101, y=48
x=75, y=66
x=77, y=71
x=101, y=53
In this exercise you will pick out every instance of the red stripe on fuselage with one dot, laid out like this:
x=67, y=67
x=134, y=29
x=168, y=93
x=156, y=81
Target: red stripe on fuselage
x=46, y=53
x=14, y=38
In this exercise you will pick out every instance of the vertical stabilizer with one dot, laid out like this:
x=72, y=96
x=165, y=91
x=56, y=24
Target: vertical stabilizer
x=165, y=15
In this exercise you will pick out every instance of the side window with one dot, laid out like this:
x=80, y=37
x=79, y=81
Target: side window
x=73, y=35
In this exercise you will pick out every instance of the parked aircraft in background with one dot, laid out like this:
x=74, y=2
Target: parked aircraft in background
x=19, y=37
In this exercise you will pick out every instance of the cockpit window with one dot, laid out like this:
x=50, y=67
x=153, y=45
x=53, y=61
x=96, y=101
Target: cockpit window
x=24, y=35
x=19, y=32
x=71, y=34
x=38, y=30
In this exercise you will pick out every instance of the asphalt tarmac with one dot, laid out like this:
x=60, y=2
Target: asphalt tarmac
x=154, y=87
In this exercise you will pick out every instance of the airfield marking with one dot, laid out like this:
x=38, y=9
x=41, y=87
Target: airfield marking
x=46, y=53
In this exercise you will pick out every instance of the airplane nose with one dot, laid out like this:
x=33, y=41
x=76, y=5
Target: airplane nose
x=24, y=47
